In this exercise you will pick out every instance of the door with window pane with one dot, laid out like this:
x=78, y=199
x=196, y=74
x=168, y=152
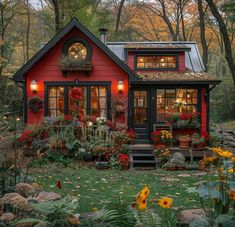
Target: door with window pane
x=140, y=114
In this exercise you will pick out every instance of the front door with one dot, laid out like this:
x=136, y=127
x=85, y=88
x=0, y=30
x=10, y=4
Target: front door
x=140, y=114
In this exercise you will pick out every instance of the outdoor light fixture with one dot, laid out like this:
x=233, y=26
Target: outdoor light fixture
x=34, y=86
x=120, y=86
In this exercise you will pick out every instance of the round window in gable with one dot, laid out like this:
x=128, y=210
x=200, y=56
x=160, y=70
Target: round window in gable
x=77, y=51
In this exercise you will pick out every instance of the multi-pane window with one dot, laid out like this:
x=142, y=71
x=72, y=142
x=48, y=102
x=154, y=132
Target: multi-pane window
x=78, y=107
x=171, y=101
x=92, y=101
x=56, y=101
x=98, y=101
x=140, y=107
x=157, y=62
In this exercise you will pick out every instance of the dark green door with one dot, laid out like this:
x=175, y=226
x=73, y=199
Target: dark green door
x=140, y=114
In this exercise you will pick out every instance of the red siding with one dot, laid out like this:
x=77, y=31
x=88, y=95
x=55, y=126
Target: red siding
x=47, y=69
x=203, y=112
x=131, y=61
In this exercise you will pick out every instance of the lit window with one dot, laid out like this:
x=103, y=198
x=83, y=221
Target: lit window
x=156, y=62
x=56, y=101
x=77, y=51
x=172, y=101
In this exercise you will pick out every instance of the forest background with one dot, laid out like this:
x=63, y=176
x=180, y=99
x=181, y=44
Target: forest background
x=26, y=25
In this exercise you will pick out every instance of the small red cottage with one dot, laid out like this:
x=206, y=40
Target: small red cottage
x=139, y=85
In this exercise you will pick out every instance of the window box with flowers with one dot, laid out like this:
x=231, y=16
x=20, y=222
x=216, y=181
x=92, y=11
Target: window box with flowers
x=67, y=64
x=187, y=120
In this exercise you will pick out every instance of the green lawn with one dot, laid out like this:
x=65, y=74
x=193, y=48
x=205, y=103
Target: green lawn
x=95, y=188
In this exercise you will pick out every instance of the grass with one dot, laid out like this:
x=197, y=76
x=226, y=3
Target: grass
x=96, y=188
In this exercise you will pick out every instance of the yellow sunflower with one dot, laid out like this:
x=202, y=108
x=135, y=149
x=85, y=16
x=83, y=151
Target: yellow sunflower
x=233, y=159
x=165, y=202
x=141, y=202
x=231, y=171
x=145, y=192
x=232, y=194
x=226, y=154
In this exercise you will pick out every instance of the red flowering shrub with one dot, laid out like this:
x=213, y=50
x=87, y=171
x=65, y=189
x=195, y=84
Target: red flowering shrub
x=123, y=158
x=76, y=94
x=26, y=137
x=131, y=134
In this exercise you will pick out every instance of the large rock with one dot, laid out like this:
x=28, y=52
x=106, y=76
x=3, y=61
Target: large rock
x=176, y=159
x=24, y=189
x=47, y=196
x=15, y=200
x=232, y=144
x=187, y=216
x=7, y=217
x=229, y=138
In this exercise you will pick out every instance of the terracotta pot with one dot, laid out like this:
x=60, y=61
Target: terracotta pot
x=170, y=168
x=184, y=142
x=124, y=165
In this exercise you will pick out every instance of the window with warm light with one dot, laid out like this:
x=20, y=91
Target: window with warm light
x=93, y=101
x=156, y=62
x=56, y=101
x=172, y=101
x=77, y=51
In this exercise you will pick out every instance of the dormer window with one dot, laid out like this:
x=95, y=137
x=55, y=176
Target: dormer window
x=156, y=62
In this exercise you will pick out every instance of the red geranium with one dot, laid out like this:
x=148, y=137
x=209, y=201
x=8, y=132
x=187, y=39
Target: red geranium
x=76, y=94
x=26, y=137
x=123, y=158
x=68, y=118
x=131, y=133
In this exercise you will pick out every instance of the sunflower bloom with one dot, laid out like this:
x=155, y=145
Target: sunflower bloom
x=165, y=202
x=231, y=171
x=233, y=159
x=232, y=195
x=226, y=154
x=145, y=192
x=141, y=202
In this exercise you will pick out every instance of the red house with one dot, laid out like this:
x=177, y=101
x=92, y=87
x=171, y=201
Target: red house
x=138, y=85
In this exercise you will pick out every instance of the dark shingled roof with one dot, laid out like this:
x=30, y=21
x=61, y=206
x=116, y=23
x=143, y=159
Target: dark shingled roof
x=180, y=77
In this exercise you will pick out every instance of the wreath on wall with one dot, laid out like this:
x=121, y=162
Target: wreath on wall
x=35, y=104
x=76, y=94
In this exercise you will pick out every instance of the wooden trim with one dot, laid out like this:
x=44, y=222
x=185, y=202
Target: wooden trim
x=156, y=54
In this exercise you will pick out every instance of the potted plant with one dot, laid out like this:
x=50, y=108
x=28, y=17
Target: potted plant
x=198, y=141
x=162, y=154
x=184, y=141
x=162, y=137
x=124, y=161
x=26, y=139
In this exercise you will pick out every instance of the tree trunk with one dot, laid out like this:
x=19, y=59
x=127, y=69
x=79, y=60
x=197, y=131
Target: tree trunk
x=57, y=15
x=224, y=32
x=203, y=34
x=28, y=30
x=119, y=16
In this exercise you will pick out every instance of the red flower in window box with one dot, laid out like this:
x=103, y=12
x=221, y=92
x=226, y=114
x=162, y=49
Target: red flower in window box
x=76, y=94
x=68, y=118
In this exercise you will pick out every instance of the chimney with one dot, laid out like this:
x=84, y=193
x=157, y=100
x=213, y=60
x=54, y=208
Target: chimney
x=103, y=34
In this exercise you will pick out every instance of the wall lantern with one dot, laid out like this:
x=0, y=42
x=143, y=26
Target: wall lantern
x=120, y=86
x=34, y=86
